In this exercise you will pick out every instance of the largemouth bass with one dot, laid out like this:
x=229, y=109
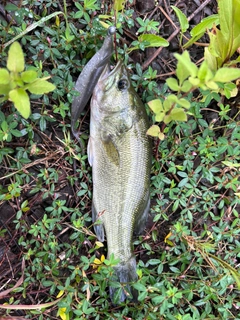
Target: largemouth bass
x=119, y=152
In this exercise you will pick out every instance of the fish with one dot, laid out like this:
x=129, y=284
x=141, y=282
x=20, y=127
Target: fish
x=120, y=154
x=88, y=79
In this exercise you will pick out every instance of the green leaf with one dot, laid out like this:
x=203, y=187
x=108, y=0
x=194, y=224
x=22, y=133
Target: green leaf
x=154, y=40
x=211, y=85
x=177, y=114
x=118, y=5
x=206, y=23
x=153, y=131
x=15, y=61
x=21, y=101
x=29, y=76
x=211, y=60
x=226, y=74
x=173, y=84
x=184, y=103
x=40, y=86
x=198, y=31
x=187, y=67
x=155, y=106
x=4, y=76
x=186, y=86
x=204, y=73
x=182, y=19
x=11, y=7
x=194, y=81
x=4, y=89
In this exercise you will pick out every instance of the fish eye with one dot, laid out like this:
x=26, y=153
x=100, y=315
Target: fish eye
x=122, y=84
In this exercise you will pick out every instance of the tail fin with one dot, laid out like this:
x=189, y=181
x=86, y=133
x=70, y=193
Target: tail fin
x=125, y=274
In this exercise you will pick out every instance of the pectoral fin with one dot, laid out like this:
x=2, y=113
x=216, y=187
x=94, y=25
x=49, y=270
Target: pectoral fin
x=111, y=152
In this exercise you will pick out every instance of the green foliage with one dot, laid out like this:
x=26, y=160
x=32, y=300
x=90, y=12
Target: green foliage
x=224, y=42
x=15, y=82
x=211, y=76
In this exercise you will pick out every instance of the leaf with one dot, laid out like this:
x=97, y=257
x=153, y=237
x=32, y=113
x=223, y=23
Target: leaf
x=29, y=76
x=15, y=61
x=119, y=5
x=198, y=31
x=173, y=84
x=40, y=86
x=226, y=74
x=4, y=76
x=204, y=73
x=154, y=40
x=104, y=24
x=184, y=103
x=231, y=164
x=62, y=313
x=4, y=89
x=182, y=19
x=155, y=106
x=205, y=24
x=153, y=131
x=210, y=59
x=177, y=114
x=60, y=293
x=186, y=86
x=187, y=66
x=21, y=101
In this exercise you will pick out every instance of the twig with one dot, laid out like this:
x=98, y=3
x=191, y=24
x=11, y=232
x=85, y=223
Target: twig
x=157, y=52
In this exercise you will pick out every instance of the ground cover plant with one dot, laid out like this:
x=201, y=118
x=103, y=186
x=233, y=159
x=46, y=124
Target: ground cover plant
x=51, y=264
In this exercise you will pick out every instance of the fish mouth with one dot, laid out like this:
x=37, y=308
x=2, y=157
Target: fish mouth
x=107, y=72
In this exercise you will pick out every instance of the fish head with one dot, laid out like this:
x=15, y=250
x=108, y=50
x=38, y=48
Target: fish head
x=112, y=93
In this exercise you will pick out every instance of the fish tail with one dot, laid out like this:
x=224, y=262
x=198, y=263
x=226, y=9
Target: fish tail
x=125, y=273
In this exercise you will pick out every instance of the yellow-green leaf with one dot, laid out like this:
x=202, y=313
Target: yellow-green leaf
x=99, y=244
x=40, y=86
x=186, y=86
x=154, y=40
x=189, y=67
x=4, y=89
x=227, y=74
x=173, y=84
x=119, y=5
x=184, y=103
x=182, y=19
x=178, y=114
x=4, y=76
x=15, y=61
x=153, y=131
x=160, y=116
x=104, y=24
x=62, y=313
x=60, y=293
x=161, y=136
x=155, y=106
x=29, y=76
x=21, y=101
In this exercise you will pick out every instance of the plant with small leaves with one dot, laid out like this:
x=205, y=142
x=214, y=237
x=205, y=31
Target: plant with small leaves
x=189, y=78
x=15, y=82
